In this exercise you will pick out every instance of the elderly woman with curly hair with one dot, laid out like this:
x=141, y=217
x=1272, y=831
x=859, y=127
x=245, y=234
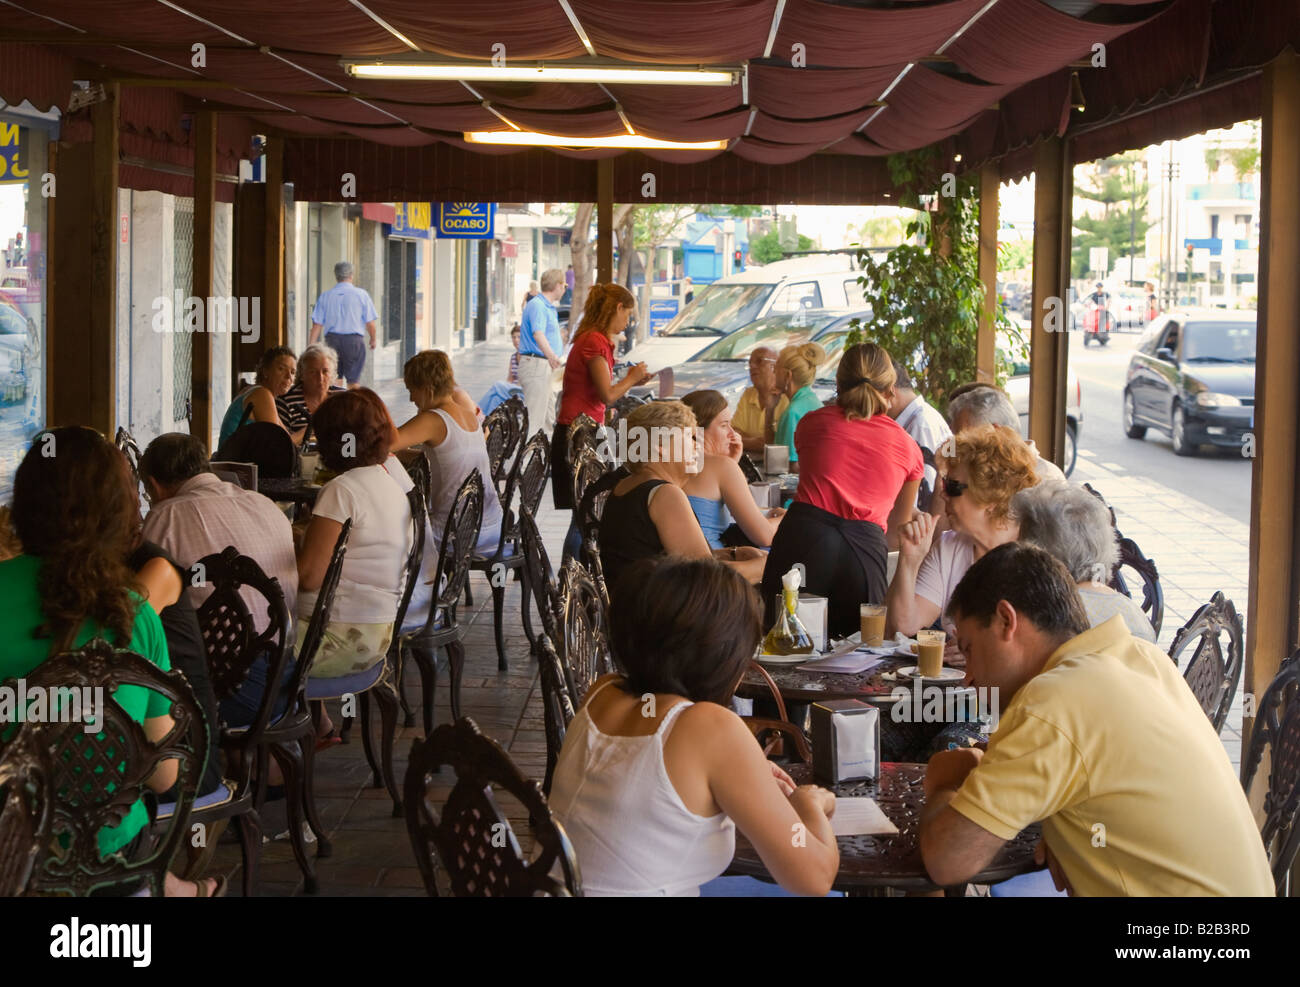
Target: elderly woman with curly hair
x=981, y=469
x=354, y=434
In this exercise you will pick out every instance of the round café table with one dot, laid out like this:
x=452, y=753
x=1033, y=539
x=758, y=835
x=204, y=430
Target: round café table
x=300, y=492
x=879, y=865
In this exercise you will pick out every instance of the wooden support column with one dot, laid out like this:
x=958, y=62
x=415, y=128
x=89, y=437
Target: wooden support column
x=205, y=198
x=1271, y=616
x=1048, y=351
x=986, y=338
x=81, y=373
x=605, y=220
x=273, y=328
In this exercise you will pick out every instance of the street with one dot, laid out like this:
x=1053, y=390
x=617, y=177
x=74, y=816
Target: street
x=1220, y=480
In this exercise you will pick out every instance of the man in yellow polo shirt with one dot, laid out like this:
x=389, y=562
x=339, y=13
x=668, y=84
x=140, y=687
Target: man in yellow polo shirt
x=1100, y=739
x=762, y=405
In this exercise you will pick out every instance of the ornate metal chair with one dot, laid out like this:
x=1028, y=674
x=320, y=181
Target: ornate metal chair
x=584, y=628
x=291, y=739
x=441, y=628
x=1153, y=597
x=752, y=472
x=528, y=477
x=1210, y=672
x=25, y=797
x=623, y=407
x=1277, y=730
x=505, y=430
x=771, y=734
x=538, y=577
x=587, y=468
x=470, y=841
x=233, y=645
x=590, y=509
x=557, y=704
x=97, y=778
x=382, y=771
x=582, y=435
x=127, y=445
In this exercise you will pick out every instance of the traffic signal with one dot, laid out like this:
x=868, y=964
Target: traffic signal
x=1189, y=253
x=736, y=256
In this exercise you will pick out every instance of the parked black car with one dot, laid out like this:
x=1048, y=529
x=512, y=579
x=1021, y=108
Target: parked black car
x=1193, y=376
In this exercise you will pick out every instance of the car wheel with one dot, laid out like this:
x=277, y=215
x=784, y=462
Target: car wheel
x=1071, y=448
x=1131, y=428
x=1178, y=432
x=1103, y=340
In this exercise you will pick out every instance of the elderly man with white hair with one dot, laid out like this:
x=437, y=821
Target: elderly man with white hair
x=984, y=404
x=345, y=312
x=1069, y=523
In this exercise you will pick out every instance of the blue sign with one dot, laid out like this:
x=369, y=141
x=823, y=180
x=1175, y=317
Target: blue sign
x=466, y=220
x=662, y=311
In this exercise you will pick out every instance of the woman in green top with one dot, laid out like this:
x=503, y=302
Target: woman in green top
x=796, y=369
x=73, y=507
x=276, y=371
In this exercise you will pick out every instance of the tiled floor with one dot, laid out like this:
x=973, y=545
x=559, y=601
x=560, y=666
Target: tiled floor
x=1197, y=553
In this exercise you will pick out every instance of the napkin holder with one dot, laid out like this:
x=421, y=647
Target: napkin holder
x=776, y=459
x=845, y=740
x=767, y=494
x=814, y=614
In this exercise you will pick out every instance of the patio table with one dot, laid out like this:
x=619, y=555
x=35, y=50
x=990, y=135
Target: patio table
x=294, y=489
x=878, y=865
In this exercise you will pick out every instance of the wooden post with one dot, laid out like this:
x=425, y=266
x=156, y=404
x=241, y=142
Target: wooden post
x=605, y=220
x=273, y=328
x=1048, y=351
x=1271, y=615
x=82, y=368
x=986, y=339
x=205, y=197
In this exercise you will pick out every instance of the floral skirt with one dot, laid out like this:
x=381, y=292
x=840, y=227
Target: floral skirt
x=348, y=648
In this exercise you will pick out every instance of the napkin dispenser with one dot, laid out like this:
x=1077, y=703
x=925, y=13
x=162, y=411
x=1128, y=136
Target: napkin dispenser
x=776, y=459
x=814, y=614
x=845, y=740
x=767, y=494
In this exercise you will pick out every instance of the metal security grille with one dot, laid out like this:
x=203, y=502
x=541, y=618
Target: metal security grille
x=183, y=281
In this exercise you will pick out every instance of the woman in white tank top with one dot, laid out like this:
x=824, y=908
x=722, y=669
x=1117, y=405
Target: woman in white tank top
x=656, y=773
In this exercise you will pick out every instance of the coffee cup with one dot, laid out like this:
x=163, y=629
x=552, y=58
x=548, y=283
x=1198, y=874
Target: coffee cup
x=872, y=619
x=929, y=653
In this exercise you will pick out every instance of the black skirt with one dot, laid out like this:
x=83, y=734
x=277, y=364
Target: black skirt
x=844, y=561
x=561, y=475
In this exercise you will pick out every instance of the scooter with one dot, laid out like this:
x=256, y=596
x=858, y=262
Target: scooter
x=1098, y=324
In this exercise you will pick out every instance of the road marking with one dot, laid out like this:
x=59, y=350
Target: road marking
x=1086, y=453
x=1112, y=466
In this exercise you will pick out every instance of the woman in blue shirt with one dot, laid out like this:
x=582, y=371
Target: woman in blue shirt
x=796, y=369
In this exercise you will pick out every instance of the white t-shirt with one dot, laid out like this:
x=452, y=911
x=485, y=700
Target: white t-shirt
x=927, y=427
x=374, y=567
x=942, y=568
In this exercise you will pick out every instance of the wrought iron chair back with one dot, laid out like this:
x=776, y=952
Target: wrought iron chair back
x=533, y=468
x=230, y=635
x=470, y=840
x=557, y=705
x=539, y=577
x=504, y=431
x=582, y=435
x=320, y=615
x=25, y=797
x=752, y=473
x=1277, y=731
x=1212, y=671
x=459, y=536
x=587, y=468
x=585, y=627
x=624, y=406
x=96, y=778
x=590, y=509
x=417, y=467
x=1153, y=597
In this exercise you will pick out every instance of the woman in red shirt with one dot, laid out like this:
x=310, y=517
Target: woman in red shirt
x=858, y=477
x=589, y=377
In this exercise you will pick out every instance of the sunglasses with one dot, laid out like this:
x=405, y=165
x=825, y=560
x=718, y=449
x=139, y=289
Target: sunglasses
x=953, y=488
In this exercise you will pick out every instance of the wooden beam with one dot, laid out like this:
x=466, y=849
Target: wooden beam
x=1271, y=615
x=605, y=220
x=204, y=247
x=273, y=327
x=248, y=271
x=1049, y=350
x=986, y=338
x=82, y=369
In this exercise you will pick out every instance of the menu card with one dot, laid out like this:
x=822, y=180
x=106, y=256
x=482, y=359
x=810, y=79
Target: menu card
x=860, y=816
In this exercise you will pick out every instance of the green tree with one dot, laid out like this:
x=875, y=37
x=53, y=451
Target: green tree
x=767, y=248
x=881, y=231
x=1121, y=187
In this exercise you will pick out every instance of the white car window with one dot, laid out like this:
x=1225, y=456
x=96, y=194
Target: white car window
x=791, y=297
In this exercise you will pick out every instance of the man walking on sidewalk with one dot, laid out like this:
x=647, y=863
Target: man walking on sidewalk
x=539, y=351
x=342, y=312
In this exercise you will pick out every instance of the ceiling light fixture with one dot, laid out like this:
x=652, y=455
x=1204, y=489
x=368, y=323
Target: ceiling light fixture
x=526, y=138
x=591, y=71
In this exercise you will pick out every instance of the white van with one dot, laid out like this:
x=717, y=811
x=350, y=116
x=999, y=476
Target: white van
x=818, y=281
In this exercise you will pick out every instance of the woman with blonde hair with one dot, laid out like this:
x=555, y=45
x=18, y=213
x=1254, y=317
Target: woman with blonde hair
x=796, y=369
x=719, y=492
x=981, y=470
x=647, y=513
x=858, y=479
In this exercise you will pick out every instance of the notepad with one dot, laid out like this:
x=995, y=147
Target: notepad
x=860, y=816
x=848, y=663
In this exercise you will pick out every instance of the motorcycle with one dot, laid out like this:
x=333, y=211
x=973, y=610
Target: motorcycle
x=1098, y=324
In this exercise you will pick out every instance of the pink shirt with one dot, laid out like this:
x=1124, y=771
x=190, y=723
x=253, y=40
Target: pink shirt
x=206, y=515
x=854, y=469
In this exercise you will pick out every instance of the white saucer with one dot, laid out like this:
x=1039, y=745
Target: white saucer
x=765, y=659
x=945, y=674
